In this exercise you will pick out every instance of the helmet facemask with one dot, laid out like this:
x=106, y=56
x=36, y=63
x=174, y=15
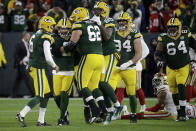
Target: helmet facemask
x=65, y=33
x=122, y=24
x=173, y=31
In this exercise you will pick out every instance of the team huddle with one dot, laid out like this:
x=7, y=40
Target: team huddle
x=98, y=53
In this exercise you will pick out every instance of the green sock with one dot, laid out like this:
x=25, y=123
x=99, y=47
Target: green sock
x=182, y=92
x=57, y=100
x=108, y=91
x=64, y=103
x=175, y=99
x=133, y=103
x=33, y=102
x=44, y=101
x=96, y=93
x=107, y=101
x=86, y=92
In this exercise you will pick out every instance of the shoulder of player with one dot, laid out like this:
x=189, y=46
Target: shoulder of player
x=47, y=36
x=77, y=25
x=135, y=33
x=161, y=36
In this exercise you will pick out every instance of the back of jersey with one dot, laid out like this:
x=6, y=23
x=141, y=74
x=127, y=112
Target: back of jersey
x=37, y=57
x=90, y=40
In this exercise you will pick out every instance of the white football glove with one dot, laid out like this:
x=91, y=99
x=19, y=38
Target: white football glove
x=25, y=60
x=124, y=66
x=96, y=19
x=193, y=66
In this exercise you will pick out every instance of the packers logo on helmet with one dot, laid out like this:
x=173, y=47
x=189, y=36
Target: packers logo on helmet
x=47, y=23
x=123, y=21
x=174, y=27
x=79, y=14
x=104, y=7
x=64, y=28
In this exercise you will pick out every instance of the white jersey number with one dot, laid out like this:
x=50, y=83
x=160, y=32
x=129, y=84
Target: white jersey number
x=125, y=45
x=172, y=51
x=94, y=36
x=31, y=43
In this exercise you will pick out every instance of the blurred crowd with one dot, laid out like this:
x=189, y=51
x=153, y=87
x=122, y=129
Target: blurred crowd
x=148, y=15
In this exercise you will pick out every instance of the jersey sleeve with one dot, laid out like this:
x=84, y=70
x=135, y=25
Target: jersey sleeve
x=137, y=34
x=48, y=37
x=77, y=26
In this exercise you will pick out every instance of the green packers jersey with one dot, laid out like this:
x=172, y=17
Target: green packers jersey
x=65, y=61
x=176, y=52
x=125, y=45
x=19, y=20
x=3, y=23
x=37, y=57
x=90, y=40
x=109, y=46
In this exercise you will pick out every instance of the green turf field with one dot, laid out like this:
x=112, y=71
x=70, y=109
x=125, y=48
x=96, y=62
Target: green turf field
x=10, y=107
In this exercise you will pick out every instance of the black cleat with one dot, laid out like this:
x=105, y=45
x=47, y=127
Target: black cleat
x=21, y=120
x=66, y=119
x=43, y=124
x=133, y=118
x=60, y=122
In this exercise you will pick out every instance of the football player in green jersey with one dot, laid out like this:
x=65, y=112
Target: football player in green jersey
x=130, y=52
x=40, y=56
x=86, y=37
x=173, y=48
x=107, y=27
x=62, y=80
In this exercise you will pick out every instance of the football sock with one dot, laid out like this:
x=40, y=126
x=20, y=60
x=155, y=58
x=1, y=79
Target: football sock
x=117, y=104
x=120, y=94
x=182, y=92
x=108, y=90
x=44, y=101
x=88, y=98
x=25, y=110
x=41, y=115
x=64, y=103
x=33, y=102
x=175, y=99
x=182, y=106
x=57, y=100
x=100, y=100
x=140, y=95
x=133, y=103
x=107, y=101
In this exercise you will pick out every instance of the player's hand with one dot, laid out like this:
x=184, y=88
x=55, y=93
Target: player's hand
x=193, y=66
x=124, y=66
x=96, y=19
x=160, y=64
x=56, y=68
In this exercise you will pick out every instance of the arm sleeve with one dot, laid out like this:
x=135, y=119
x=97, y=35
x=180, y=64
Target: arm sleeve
x=47, y=53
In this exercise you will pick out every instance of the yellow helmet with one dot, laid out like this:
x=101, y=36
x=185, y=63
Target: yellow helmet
x=174, y=27
x=124, y=16
x=64, y=28
x=79, y=14
x=105, y=8
x=47, y=23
